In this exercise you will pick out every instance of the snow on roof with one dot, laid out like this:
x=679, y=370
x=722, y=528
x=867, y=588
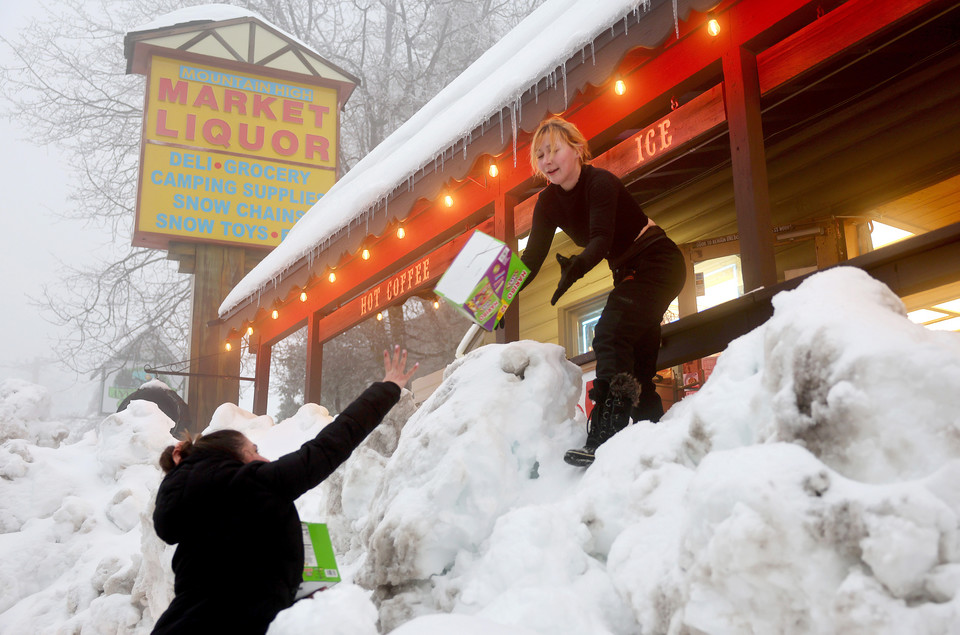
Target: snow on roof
x=204, y=13
x=200, y=13
x=535, y=49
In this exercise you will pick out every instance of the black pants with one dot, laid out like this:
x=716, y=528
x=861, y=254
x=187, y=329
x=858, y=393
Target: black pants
x=627, y=336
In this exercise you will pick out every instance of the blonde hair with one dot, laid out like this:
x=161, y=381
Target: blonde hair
x=556, y=130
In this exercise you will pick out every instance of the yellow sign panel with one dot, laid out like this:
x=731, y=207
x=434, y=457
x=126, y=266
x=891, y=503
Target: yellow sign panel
x=231, y=156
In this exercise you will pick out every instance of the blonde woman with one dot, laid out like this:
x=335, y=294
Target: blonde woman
x=597, y=212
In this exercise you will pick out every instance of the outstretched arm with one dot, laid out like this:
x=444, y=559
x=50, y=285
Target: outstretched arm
x=293, y=474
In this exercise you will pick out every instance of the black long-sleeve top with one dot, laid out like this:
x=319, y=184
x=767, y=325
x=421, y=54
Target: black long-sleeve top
x=239, y=557
x=598, y=214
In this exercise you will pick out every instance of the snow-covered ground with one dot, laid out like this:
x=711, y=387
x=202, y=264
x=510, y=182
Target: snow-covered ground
x=809, y=487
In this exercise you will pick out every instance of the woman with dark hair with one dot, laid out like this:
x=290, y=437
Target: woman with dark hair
x=239, y=557
x=594, y=208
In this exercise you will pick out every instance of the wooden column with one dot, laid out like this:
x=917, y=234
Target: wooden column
x=261, y=384
x=214, y=372
x=505, y=229
x=687, y=304
x=742, y=100
x=311, y=391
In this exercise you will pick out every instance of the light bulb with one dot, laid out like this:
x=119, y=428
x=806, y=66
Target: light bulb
x=332, y=277
x=303, y=296
x=379, y=317
x=493, y=171
x=713, y=27
x=228, y=347
x=365, y=254
x=448, y=200
x=400, y=232
x=275, y=314
x=249, y=330
x=619, y=87
x=436, y=304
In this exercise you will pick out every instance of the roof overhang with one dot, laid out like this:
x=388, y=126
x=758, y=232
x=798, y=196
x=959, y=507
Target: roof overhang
x=500, y=132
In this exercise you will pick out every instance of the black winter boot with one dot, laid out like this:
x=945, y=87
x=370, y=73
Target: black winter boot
x=650, y=406
x=611, y=414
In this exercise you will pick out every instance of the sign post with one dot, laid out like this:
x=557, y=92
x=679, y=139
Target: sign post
x=240, y=139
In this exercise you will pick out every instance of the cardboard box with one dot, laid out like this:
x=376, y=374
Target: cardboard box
x=483, y=279
x=319, y=563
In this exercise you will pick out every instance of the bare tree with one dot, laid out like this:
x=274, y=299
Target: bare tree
x=68, y=88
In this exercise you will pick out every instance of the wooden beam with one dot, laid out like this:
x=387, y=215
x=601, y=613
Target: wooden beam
x=311, y=390
x=830, y=35
x=261, y=384
x=505, y=229
x=742, y=97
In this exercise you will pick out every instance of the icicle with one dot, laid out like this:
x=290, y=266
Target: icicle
x=513, y=126
x=626, y=23
x=501, y=125
x=563, y=71
x=593, y=53
x=676, y=19
x=536, y=93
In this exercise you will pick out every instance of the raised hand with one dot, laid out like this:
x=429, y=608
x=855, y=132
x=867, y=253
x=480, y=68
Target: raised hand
x=396, y=367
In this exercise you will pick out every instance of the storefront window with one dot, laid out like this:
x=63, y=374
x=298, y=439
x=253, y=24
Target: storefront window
x=882, y=234
x=578, y=323
x=718, y=280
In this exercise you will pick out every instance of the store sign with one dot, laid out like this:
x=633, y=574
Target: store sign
x=390, y=290
x=667, y=135
x=231, y=156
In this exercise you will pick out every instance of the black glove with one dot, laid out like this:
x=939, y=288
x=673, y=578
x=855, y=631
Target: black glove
x=571, y=270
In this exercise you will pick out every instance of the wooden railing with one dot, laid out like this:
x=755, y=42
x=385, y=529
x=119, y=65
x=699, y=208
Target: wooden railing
x=907, y=267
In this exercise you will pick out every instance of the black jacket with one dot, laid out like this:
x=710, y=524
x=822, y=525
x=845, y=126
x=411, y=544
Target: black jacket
x=239, y=558
x=598, y=214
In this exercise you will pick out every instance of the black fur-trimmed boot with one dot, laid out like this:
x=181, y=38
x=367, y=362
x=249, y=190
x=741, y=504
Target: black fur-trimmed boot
x=611, y=414
x=649, y=406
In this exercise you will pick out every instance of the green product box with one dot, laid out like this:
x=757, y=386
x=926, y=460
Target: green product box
x=319, y=562
x=483, y=279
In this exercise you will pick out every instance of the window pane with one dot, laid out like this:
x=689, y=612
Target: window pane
x=722, y=281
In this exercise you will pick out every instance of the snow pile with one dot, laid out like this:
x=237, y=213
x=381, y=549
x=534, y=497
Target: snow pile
x=806, y=488
x=22, y=406
x=810, y=486
x=71, y=520
x=25, y=415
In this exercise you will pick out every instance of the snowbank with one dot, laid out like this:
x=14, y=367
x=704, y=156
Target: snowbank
x=810, y=486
